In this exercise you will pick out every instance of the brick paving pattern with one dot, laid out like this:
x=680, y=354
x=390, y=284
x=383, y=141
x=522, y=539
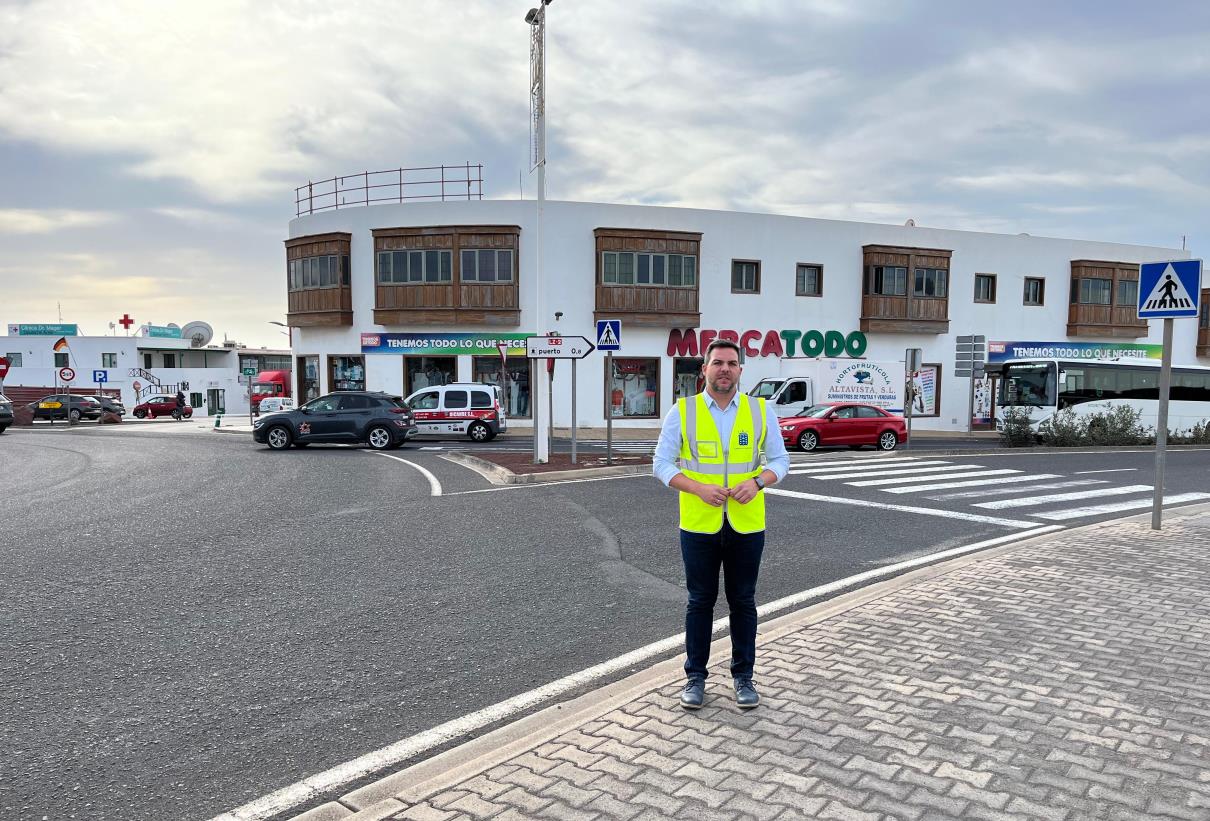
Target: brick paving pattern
x=1065, y=680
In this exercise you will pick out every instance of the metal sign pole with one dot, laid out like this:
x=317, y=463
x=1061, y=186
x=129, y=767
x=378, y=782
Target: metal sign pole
x=608, y=409
x=573, y=411
x=550, y=412
x=970, y=405
x=909, y=390
x=1161, y=429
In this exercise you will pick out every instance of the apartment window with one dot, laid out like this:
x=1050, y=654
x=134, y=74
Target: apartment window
x=195, y=400
x=14, y=360
x=929, y=282
x=109, y=360
x=415, y=267
x=169, y=360
x=147, y=361
x=985, y=287
x=61, y=360
x=487, y=265
x=808, y=280
x=745, y=276
x=887, y=280
x=325, y=271
x=1035, y=291
x=1128, y=292
x=1092, y=291
x=660, y=270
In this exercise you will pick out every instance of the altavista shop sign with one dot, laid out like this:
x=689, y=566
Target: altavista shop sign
x=692, y=342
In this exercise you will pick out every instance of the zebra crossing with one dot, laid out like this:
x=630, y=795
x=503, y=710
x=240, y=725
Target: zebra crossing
x=974, y=485
x=644, y=447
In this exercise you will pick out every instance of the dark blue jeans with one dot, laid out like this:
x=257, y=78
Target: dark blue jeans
x=738, y=555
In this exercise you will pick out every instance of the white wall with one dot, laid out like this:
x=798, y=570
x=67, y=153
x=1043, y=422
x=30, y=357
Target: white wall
x=779, y=242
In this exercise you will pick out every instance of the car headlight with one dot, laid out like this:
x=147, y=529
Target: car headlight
x=258, y=423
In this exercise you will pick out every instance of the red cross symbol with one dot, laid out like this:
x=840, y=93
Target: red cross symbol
x=126, y=321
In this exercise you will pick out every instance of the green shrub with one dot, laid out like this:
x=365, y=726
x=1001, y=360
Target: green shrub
x=1064, y=430
x=1017, y=432
x=1119, y=426
x=1199, y=434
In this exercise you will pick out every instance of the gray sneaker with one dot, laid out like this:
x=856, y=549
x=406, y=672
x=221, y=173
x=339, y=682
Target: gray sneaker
x=745, y=694
x=694, y=694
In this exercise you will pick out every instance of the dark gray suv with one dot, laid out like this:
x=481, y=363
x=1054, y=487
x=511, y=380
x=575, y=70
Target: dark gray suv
x=6, y=413
x=378, y=419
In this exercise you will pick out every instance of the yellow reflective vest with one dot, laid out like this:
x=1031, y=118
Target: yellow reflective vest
x=707, y=459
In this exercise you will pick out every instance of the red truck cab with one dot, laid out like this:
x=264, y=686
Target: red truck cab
x=269, y=383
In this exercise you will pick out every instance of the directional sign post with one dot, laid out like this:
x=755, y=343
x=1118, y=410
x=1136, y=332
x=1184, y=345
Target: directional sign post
x=609, y=339
x=970, y=359
x=1167, y=290
x=554, y=346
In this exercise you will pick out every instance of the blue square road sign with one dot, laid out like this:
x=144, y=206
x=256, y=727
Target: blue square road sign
x=100, y=376
x=609, y=334
x=1170, y=289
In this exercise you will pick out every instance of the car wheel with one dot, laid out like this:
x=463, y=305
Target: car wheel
x=74, y=415
x=139, y=414
x=809, y=440
x=479, y=432
x=888, y=440
x=379, y=438
x=278, y=437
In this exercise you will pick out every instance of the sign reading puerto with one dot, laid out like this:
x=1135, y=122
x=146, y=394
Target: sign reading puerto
x=558, y=347
x=1169, y=289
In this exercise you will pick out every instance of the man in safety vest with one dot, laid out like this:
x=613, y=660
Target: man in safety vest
x=710, y=450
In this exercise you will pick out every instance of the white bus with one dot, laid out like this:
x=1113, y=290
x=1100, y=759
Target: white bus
x=1045, y=386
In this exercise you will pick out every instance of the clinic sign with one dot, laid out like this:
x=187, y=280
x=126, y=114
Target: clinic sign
x=791, y=342
x=443, y=344
x=163, y=332
x=1090, y=351
x=53, y=329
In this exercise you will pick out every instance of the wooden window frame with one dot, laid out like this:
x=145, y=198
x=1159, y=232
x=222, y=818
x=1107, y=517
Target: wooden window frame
x=978, y=300
x=512, y=268
x=818, y=280
x=755, y=278
x=1041, y=292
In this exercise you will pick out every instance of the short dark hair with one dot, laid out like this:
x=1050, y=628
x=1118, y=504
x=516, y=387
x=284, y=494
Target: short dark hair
x=724, y=343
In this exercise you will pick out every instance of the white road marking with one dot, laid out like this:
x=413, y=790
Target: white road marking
x=902, y=480
x=434, y=485
x=321, y=784
x=995, y=491
x=1096, y=510
x=906, y=471
x=1111, y=470
x=1029, y=501
x=537, y=485
x=924, y=511
x=828, y=471
x=1005, y=480
x=809, y=467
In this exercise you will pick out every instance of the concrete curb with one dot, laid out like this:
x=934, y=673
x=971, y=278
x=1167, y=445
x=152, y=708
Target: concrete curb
x=427, y=777
x=499, y=475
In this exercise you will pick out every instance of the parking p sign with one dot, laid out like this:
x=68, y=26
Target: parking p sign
x=100, y=376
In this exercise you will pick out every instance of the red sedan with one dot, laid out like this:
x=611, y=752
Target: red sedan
x=843, y=424
x=160, y=406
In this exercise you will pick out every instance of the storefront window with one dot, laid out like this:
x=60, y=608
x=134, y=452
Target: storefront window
x=687, y=377
x=308, y=378
x=487, y=369
x=427, y=371
x=347, y=373
x=633, y=389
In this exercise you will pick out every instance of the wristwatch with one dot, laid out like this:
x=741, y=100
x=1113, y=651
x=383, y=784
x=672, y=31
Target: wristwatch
x=760, y=483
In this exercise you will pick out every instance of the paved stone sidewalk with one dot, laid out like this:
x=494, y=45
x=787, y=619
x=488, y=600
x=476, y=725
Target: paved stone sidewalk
x=1066, y=678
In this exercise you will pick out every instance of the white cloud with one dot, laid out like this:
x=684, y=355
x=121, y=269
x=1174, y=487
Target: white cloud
x=51, y=220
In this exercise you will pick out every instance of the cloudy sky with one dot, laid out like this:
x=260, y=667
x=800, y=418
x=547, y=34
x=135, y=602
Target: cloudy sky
x=149, y=148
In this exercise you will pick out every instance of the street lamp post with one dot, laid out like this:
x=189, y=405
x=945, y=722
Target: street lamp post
x=289, y=332
x=537, y=111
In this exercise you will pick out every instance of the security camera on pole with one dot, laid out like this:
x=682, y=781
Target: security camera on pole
x=1167, y=290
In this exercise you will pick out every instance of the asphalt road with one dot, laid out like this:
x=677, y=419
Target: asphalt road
x=193, y=621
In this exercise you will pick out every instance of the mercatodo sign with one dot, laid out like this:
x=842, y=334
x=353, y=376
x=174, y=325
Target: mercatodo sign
x=692, y=342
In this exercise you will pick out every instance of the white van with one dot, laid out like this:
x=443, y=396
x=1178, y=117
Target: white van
x=473, y=408
x=270, y=404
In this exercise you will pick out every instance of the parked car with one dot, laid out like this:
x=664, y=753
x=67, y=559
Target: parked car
x=161, y=405
x=6, y=413
x=473, y=408
x=378, y=419
x=843, y=424
x=64, y=406
x=272, y=404
x=111, y=405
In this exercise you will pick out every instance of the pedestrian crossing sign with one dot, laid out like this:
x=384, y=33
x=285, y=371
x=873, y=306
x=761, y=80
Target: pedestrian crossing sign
x=1169, y=289
x=609, y=334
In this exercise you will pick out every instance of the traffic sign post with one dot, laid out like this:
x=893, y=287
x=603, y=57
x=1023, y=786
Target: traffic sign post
x=911, y=359
x=1168, y=290
x=250, y=373
x=970, y=360
x=609, y=339
x=555, y=346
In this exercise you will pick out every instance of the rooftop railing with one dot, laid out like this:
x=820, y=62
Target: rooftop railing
x=436, y=182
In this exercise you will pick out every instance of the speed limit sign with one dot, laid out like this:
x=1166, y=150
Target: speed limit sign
x=67, y=374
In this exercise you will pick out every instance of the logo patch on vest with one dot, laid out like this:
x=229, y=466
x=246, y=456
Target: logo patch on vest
x=743, y=439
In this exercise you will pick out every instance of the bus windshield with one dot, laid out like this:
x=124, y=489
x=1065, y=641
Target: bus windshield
x=1031, y=384
x=767, y=388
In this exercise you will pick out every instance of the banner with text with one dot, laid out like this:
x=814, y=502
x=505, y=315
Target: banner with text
x=448, y=344
x=1003, y=351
